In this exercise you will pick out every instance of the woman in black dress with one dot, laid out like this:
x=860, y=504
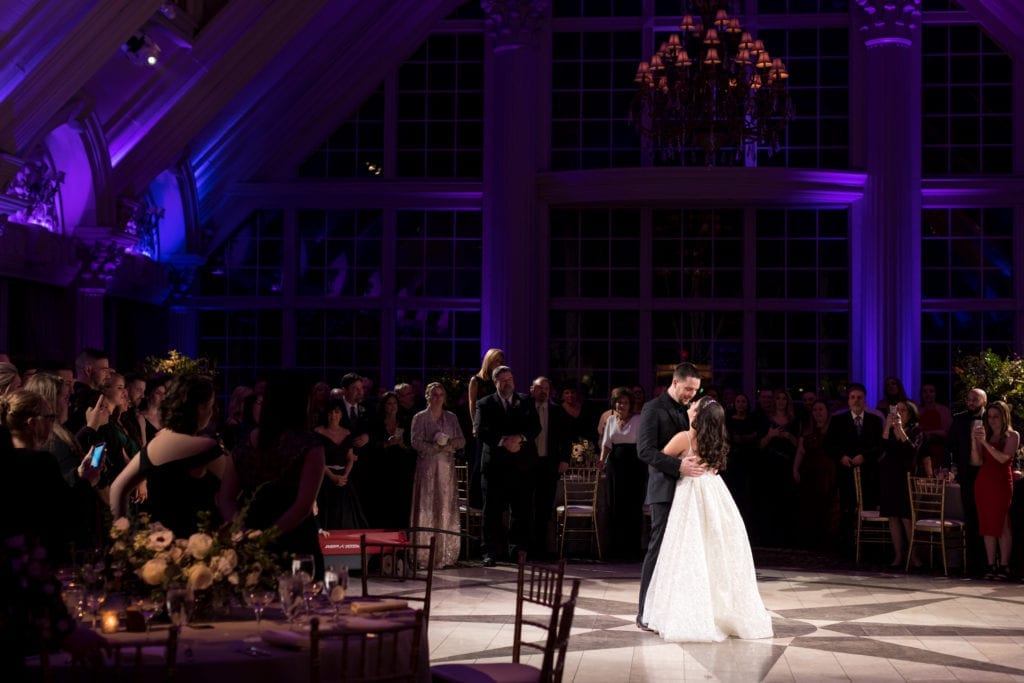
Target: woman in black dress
x=900, y=455
x=337, y=502
x=185, y=473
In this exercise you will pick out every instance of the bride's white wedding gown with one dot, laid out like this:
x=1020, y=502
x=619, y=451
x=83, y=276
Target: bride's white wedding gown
x=704, y=587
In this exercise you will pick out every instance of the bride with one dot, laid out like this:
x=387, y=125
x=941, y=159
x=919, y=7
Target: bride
x=704, y=587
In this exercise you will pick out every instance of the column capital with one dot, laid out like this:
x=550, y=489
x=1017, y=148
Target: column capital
x=889, y=22
x=513, y=23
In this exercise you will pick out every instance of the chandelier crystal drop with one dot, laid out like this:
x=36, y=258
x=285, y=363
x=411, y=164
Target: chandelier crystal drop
x=711, y=87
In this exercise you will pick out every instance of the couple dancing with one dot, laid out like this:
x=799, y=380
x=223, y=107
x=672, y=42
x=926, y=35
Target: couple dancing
x=698, y=581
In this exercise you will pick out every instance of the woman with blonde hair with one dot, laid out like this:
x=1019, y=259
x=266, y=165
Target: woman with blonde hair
x=34, y=485
x=481, y=384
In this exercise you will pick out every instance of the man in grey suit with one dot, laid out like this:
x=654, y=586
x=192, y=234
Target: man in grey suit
x=660, y=420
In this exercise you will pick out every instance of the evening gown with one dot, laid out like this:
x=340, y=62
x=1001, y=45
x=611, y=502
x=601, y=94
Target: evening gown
x=993, y=492
x=704, y=588
x=339, y=505
x=176, y=497
x=435, y=500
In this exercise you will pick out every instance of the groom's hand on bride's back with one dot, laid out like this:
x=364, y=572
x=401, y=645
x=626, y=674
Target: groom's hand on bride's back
x=691, y=466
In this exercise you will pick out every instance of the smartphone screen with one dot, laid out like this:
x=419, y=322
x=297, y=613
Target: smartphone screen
x=97, y=454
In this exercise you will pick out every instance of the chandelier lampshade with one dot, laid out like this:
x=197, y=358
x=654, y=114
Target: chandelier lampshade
x=713, y=86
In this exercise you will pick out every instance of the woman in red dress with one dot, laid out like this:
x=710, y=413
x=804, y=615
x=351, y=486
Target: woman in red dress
x=993, y=448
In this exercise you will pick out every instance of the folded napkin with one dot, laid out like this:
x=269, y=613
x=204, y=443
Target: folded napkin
x=368, y=607
x=285, y=638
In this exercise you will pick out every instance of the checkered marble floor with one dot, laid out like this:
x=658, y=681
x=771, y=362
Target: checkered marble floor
x=828, y=627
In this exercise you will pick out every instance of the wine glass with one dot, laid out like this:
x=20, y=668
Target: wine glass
x=289, y=588
x=148, y=608
x=178, y=606
x=303, y=563
x=74, y=600
x=259, y=600
x=94, y=599
x=338, y=589
x=310, y=591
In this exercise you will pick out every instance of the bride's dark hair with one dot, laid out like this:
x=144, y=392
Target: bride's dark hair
x=712, y=440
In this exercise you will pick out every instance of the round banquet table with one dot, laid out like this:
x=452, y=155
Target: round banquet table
x=238, y=649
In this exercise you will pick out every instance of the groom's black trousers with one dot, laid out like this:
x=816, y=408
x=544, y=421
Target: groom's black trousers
x=659, y=519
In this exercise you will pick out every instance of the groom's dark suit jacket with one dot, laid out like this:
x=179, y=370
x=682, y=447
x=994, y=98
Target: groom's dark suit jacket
x=660, y=419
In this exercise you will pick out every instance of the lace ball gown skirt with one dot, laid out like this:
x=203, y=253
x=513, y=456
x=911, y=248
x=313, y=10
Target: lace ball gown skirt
x=704, y=587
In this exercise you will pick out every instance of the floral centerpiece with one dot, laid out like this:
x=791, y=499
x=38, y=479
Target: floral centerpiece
x=583, y=453
x=147, y=558
x=179, y=364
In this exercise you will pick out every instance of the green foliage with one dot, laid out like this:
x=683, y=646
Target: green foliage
x=1002, y=378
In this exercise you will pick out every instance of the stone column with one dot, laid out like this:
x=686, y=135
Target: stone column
x=887, y=320
x=513, y=294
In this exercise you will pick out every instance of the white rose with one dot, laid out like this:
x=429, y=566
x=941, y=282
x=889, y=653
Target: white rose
x=255, y=533
x=200, y=577
x=233, y=578
x=153, y=572
x=229, y=560
x=159, y=539
x=176, y=553
x=441, y=439
x=120, y=527
x=199, y=545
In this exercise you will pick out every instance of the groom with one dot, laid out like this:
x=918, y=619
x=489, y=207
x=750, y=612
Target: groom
x=660, y=420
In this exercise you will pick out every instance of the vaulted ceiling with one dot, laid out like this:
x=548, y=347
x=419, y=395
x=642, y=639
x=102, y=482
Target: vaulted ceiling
x=244, y=89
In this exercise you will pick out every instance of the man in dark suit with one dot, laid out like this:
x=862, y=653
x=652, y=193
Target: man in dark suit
x=660, y=419
x=506, y=424
x=958, y=442
x=552, y=461
x=854, y=439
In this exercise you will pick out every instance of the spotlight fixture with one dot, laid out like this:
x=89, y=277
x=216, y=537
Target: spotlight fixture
x=141, y=49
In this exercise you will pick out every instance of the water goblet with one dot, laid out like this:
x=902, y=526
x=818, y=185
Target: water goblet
x=94, y=600
x=74, y=600
x=303, y=563
x=339, y=587
x=148, y=609
x=289, y=588
x=178, y=605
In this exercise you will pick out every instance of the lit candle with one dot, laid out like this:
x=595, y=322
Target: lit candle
x=109, y=621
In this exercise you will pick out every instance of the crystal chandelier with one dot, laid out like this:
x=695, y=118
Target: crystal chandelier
x=713, y=88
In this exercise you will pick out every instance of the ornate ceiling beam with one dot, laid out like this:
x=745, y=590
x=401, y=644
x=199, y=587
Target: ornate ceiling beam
x=255, y=44
x=67, y=64
x=364, y=54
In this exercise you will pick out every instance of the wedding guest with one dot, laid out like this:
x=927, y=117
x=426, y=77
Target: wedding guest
x=892, y=393
x=743, y=429
x=935, y=423
x=10, y=380
x=627, y=477
x=436, y=437
x=959, y=442
x=578, y=421
x=902, y=439
x=317, y=407
x=552, y=462
x=149, y=410
x=853, y=441
x=280, y=467
x=506, y=424
x=993, y=449
x=775, y=493
x=91, y=367
x=338, y=505
x=814, y=472
x=34, y=490
x=186, y=474
x=388, y=481
x=480, y=386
